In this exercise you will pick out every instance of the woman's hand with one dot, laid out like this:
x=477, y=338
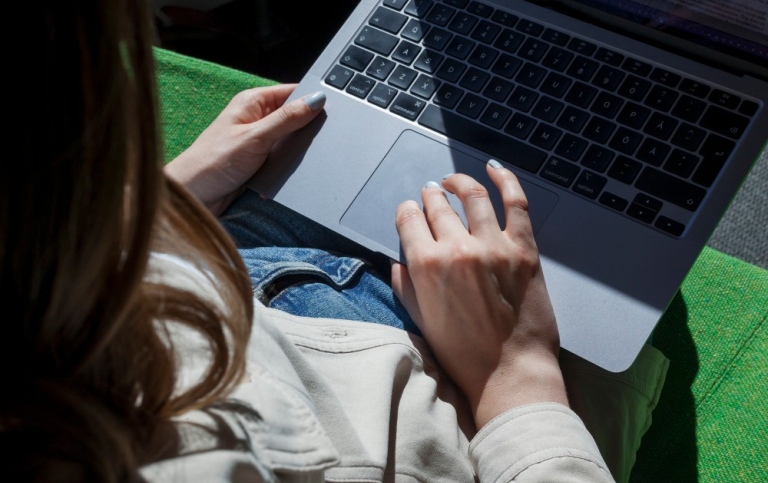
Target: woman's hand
x=479, y=296
x=236, y=144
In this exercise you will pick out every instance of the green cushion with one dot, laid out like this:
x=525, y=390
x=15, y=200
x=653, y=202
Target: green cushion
x=710, y=425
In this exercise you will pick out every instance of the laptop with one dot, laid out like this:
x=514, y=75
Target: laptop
x=630, y=124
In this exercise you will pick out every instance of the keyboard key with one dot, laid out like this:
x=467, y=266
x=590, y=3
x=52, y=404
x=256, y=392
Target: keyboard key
x=360, y=86
x=599, y=130
x=597, y=158
x=483, y=56
x=387, y=19
x=748, y=108
x=724, y=122
x=607, y=105
x=507, y=66
x=555, y=37
x=480, y=9
x=608, y=78
x=356, y=58
x=547, y=109
x=613, y=201
x=463, y=23
x=471, y=105
x=724, y=99
x=670, y=226
x=634, y=88
x=670, y=188
x=425, y=86
x=694, y=88
x=509, y=41
x=581, y=95
x=437, y=39
x=402, y=77
x=583, y=68
x=531, y=75
x=665, y=77
x=451, y=70
x=546, y=136
x=633, y=115
x=475, y=79
x=490, y=141
x=641, y=213
x=440, y=15
x=555, y=85
x=557, y=59
x=573, y=119
x=407, y=106
x=609, y=56
x=688, y=137
x=689, y=108
x=382, y=95
x=504, y=18
x=415, y=30
x=428, y=61
x=636, y=67
x=418, y=8
x=624, y=169
x=571, y=147
x=626, y=140
x=715, y=152
x=653, y=152
x=681, y=163
x=560, y=172
x=522, y=99
x=448, y=96
x=520, y=126
x=339, y=76
x=406, y=52
x=661, y=98
x=498, y=89
x=376, y=40
x=582, y=46
x=660, y=126
x=495, y=116
x=460, y=47
x=457, y=3
x=589, y=184
x=486, y=32
x=529, y=27
x=380, y=68
x=396, y=4
x=533, y=49
x=648, y=202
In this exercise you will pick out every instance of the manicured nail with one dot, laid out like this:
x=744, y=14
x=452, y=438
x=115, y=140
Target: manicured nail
x=431, y=184
x=494, y=164
x=315, y=101
x=448, y=175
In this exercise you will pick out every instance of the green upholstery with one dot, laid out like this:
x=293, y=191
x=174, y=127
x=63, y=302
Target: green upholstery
x=711, y=424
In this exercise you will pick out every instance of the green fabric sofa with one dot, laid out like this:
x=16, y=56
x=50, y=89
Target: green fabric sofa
x=711, y=424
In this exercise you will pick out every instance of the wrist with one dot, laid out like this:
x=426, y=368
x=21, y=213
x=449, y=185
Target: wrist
x=528, y=380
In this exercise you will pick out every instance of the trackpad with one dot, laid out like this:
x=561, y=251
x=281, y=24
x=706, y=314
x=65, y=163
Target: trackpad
x=412, y=161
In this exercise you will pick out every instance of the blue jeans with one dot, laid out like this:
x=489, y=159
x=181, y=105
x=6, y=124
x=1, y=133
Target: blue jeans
x=303, y=268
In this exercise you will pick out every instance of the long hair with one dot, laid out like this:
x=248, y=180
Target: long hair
x=87, y=374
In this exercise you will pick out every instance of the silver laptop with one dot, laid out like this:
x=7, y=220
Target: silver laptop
x=631, y=125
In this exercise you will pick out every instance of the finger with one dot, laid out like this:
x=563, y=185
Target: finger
x=402, y=286
x=288, y=118
x=443, y=220
x=251, y=105
x=518, y=223
x=412, y=227
x=481, y=216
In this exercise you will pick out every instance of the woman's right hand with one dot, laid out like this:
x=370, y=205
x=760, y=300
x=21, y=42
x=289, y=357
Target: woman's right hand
x=479, y=295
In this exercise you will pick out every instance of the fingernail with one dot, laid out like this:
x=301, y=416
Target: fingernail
x=494, y=164
x=448, y=175
x=315, y=101
x=431, y=184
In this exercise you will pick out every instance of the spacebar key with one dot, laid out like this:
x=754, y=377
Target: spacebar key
x=501, y=147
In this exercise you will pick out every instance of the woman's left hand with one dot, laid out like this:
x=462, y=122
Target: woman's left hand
x=236, y=144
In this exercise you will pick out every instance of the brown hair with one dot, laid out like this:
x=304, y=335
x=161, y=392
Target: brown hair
x=86, y=371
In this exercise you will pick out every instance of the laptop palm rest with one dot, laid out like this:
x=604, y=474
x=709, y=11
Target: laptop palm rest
x=412, y=161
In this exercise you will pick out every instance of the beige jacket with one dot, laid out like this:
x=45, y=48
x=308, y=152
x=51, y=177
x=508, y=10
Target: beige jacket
x=335, y=400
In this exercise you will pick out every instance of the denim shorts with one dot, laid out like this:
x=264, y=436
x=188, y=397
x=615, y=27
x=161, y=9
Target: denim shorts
x=305, y=269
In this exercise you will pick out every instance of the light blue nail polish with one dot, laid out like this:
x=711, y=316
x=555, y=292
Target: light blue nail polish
x=431, y=184
x=315, y=101
x=494, y=164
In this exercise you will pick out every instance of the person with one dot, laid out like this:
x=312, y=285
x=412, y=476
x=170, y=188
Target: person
x=165, y=324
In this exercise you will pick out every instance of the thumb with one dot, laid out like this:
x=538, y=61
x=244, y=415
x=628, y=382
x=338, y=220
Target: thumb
x=402, y=286
x=290, y=117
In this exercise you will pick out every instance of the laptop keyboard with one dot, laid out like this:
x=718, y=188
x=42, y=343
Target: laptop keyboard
x=632, y=136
